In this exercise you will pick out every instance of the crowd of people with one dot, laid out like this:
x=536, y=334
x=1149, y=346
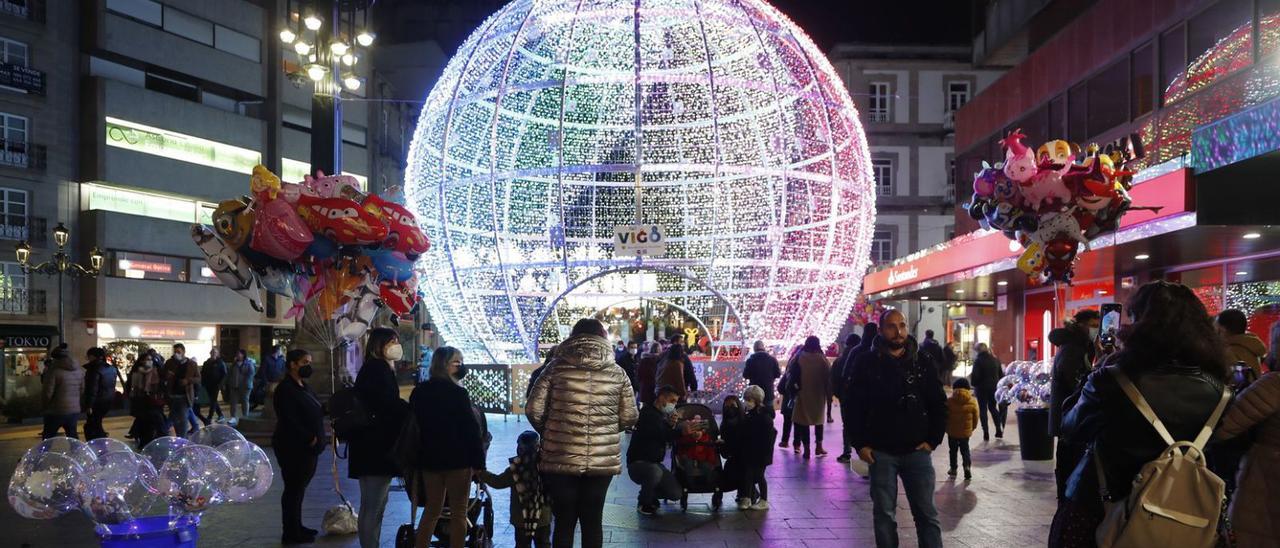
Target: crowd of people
x=1174, y=376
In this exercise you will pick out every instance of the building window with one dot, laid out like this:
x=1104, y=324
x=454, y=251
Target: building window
x=13, y=212
x=881, y=246
x=201, y=273
x=957, y=95
x=13, y=52
x=177, y=146
x=882, y=169
x=142, y=266
x=1143, y=89
x=13, y=289
x=878, y=102
x=170, y=86
x=13, y=140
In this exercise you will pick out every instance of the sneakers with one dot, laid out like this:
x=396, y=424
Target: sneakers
x=1000, y=435
x=646, y=510
x=761, y=504
x=967, y=474
x=821, y=452
x=783, y=445
x=844, y=458
x=952, y=472
x=744, y=503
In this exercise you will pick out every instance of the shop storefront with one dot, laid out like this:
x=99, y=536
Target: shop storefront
x=123, y=338
x=24, y=350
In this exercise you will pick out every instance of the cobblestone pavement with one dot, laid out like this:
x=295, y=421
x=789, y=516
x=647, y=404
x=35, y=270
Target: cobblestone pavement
x=817, y=503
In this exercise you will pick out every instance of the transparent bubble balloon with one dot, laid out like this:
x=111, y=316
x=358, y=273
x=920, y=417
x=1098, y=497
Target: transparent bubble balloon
x=160, y=450
x=215, y=435
x=121, y=489
x=44, y=486
x=1002, y=394
x=105, y=446
x=74, y=449
x=194, y=479
x=251, y=472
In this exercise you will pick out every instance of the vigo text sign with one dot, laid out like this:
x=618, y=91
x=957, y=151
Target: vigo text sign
x=647, y=239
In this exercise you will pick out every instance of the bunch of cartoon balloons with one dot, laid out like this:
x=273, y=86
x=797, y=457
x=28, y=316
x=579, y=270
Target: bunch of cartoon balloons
x=1055, y=199
x=322, y=241
x=118, y=488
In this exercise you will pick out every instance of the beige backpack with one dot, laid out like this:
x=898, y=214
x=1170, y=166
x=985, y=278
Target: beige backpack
x=1176, y=500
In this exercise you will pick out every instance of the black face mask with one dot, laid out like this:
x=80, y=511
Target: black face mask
x=305, y=371
x=462, y=372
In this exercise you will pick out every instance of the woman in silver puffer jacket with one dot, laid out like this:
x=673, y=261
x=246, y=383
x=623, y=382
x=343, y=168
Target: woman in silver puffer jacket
x=580, y=405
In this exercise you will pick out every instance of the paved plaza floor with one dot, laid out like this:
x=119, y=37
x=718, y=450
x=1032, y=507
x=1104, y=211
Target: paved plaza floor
x=817, y=503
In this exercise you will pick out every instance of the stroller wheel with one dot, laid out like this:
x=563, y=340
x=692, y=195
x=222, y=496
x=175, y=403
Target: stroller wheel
x=684, y=501
x=717, y=500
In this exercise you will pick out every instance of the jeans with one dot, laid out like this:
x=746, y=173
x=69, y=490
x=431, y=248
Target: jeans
x=297, y=467
x=802, y=435
x=655, y=482
x=179, y=410
x=537, y=538
x=916, y=470
x=373, y=501
x=987, y=402
x=574, y=500
x=93, y=420
x=213, y=403
x=754, y=487
x=238, y=398
x=786, y=427
x=455, y=484
x=961, y=445
x=66, y=422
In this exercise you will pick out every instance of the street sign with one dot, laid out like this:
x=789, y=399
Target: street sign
x=647, y=239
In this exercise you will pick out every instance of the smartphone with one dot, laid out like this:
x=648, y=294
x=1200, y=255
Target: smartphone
x=1110, y=324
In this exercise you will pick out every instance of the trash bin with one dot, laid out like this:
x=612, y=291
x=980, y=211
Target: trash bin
x=155, y=532
x=1033, y=433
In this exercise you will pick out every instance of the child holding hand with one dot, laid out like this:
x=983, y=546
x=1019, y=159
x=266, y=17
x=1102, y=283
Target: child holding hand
x=530, y=509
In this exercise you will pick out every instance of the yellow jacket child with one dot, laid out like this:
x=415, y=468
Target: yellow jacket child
x=962, y=413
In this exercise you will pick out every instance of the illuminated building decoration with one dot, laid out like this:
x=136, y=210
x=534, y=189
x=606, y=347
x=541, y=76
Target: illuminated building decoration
x=717, y=120
x=1238, y=137
x=177, y=146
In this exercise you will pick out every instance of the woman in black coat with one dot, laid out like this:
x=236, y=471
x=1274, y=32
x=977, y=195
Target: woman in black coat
x=298, y=439
x=454, y=448
x=370, y=452
x=1177, y=362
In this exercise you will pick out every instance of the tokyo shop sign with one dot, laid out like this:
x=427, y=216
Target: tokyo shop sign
x=647, y=239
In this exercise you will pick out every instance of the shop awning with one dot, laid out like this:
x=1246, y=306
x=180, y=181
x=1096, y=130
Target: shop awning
x=27, y=335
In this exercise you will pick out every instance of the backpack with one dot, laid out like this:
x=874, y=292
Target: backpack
x=348, y=413
x=1176, y=500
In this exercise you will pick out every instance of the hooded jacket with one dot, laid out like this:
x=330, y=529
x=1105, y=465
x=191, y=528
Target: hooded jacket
x=63, y=383
x=1255, y=519
x=962, y=413
x=1248, y=348
x=1071, y=365
x=580, y=405
x=895, y=404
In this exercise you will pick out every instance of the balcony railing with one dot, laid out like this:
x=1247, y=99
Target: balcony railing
x=31, y=10
x=31, y=229
x=20, y=300
x=22, y=78
x=22, y=154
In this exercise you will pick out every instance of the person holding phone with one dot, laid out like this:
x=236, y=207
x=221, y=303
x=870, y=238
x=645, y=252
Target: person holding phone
x=1077, y=349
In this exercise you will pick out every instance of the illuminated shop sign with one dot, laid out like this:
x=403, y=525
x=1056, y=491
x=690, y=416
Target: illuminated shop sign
x=147, y=204
x=176, y=146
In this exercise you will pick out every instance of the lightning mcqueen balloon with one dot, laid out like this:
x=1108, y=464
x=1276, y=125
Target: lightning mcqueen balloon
x=404, y=236
x=341, y=220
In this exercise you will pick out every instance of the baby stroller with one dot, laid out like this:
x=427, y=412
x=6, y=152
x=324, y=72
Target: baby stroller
x=696, y=458
x=479, y=510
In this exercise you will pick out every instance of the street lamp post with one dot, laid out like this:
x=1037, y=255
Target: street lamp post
x=60, y=265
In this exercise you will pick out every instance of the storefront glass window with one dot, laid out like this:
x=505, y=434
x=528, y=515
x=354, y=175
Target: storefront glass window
x=144, y=266
x=1254, y=288
x=1219, y=42
x=201, y=273
x=1108, y=98
x=1144, y=80
x=1268, y=26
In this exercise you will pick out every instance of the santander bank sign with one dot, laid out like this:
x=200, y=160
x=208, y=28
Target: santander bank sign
x=907, y=274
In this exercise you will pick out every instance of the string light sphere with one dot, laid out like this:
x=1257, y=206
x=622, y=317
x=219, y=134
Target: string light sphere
x=717, y=120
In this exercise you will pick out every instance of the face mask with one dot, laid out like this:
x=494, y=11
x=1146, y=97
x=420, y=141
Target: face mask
x=1093, y=333
x=177, y=355
x=305, y=371
x=668, y=409
x=462, y=371
x=394, y=352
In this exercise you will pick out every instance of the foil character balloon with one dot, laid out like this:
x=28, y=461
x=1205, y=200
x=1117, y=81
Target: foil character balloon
x=352, y=325
x=1059, y=254
x=391, y=265
x=1019, y=162
x=399, y=298
x=1053, y=224
x=1057, y=155
x=404, y=235
x=338, y=289
x=330, y=186
x=280, y=281
x=984, y=182
x=229, y=266
x=1045, y=188
x=306, y=289
x=277, y=229
x=322, y=248
x=1031, y=262
x=263, y=184
x=1007, y=190
x=233, y=223
x=290, y=192
x=341, y=220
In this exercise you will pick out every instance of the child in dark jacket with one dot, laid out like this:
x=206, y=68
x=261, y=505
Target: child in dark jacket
x=755, y=441
x=733, y=476
x=530, y=509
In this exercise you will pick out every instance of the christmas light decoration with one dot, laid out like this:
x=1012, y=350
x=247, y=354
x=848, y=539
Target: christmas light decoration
x=717, y=120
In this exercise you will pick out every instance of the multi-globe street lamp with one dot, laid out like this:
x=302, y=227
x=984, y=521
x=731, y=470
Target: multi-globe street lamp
x=60, y=265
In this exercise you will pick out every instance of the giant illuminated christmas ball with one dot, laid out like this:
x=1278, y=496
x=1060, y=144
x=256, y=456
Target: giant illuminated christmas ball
x=718, y=121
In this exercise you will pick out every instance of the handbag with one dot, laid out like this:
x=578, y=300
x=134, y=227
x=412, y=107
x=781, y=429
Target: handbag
x=408, y=443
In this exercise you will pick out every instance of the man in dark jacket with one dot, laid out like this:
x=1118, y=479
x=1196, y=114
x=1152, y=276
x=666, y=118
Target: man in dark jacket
x=627, y=360
x=869, y=332
x=932, y=351
x=1077, y=347
x=180, y=375
x=212, y=374
x=653, y=432
x=99, y=392
x=986, y=374
x=897, y=416
x=762, y=370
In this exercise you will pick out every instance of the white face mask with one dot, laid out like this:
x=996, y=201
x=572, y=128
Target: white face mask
x=394, y=352
x=668, y=408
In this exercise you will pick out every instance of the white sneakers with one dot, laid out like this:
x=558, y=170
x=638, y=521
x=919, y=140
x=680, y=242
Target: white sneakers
x=744, y=504
x=762, y=505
